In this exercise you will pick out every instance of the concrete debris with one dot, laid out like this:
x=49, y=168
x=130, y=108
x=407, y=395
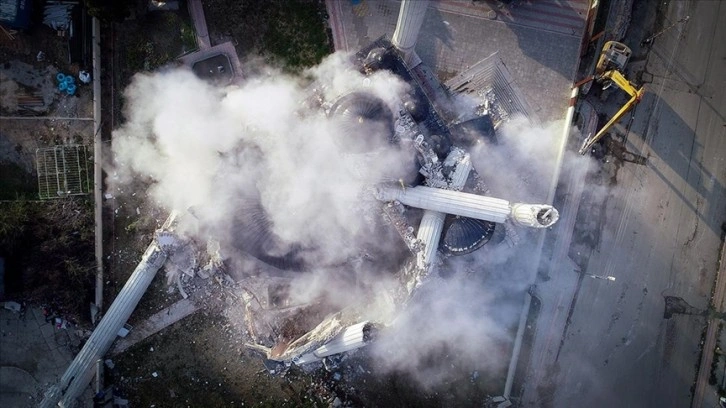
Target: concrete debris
x=163, y=5
x=13, y=306
x=84, y=76
x=95, y=311
x=180, y=287
x=120, y=402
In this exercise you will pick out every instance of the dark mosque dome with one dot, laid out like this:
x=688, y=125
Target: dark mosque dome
x=364, y=121
x=474, y=130
x=378, y=58
x=464, y=235
x=415, y=106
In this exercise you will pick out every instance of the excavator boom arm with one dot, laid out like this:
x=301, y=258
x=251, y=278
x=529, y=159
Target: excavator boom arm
x=635, y=95
x=620, y=81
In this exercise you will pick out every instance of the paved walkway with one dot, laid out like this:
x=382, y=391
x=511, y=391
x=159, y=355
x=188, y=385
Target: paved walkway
x=711, y=333
x=33, y=355
x=542, y=54
x=564, y=17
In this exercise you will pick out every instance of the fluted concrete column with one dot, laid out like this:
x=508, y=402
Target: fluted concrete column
x=449, y=202
x=429, y=232
x=471, y=205
x=81, y=370
x=410, y=17
x=432, y=223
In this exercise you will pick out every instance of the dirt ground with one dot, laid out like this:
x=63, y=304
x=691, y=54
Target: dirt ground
x=202, y=361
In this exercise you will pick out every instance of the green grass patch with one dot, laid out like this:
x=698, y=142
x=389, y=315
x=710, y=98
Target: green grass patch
x=153, y=40
x=289, y=33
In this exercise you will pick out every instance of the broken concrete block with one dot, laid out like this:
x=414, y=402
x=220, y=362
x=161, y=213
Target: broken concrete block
x=14, y=306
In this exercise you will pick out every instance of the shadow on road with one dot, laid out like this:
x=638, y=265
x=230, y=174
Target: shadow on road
x=684, y=154
x=525, y=18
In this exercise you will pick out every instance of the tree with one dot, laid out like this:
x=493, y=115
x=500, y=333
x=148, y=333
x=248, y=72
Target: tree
x=109, y=11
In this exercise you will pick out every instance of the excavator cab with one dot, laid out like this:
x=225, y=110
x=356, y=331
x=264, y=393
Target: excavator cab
x=614, y=56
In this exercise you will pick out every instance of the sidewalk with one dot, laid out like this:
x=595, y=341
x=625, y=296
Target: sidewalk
x=34, y=354
x=717, y=302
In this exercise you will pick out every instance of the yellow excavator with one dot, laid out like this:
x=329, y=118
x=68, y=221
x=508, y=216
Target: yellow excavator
x=612, y=60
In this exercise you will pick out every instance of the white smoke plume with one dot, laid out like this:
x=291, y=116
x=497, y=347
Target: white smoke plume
x=206, y=147
x=212, y=148
x=467, y=321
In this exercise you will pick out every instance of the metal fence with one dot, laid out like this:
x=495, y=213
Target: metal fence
x=62, y=171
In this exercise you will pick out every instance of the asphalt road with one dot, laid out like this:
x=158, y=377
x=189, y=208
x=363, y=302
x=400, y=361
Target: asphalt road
x=661, y=229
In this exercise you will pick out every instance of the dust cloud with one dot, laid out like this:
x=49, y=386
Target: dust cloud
x=206, y=147
x=214, y=149
x=466, y=322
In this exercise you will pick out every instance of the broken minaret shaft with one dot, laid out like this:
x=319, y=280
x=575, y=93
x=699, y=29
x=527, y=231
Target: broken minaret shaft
x=410, y=18
x=471, y=205
x=432, y=222
x=81, y=370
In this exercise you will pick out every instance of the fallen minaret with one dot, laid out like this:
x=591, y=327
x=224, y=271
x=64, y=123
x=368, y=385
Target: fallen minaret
x=432, y=222
x=349, y=339
x=471, y=205
x=81, y=370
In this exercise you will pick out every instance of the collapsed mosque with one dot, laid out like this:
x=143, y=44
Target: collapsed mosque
x=433, y=198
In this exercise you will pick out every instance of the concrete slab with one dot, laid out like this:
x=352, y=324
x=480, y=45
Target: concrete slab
x=155, y=323
x=30, y=359
x=47, y=330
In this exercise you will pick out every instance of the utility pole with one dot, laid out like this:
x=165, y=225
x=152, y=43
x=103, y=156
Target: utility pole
x=97, y=169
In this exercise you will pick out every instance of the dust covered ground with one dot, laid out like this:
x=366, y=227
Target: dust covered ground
x=202, y=361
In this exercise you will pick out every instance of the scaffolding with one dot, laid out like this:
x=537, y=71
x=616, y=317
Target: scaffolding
x=62, y=171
